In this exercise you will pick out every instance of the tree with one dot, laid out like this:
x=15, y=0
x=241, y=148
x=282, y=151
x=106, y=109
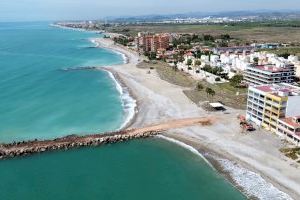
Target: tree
x=208, y=68
x=284, y=55
x=152, y=56
x=225, y=37
x=217, y=79
x=255, y=60
x=198, y=63
x=200, y=86
x=223, y=44
x=208, y=38
x=236, y=80
x=210, y=92
x=189, y=62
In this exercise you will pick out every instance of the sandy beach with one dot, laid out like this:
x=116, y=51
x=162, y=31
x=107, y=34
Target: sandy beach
x=252, y=162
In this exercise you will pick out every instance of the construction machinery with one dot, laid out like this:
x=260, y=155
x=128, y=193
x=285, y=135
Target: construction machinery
x=244, y=124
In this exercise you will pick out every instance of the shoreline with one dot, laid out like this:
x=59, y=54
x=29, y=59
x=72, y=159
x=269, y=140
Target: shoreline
x=220, y=162
x=126, y=74
x=126, y=97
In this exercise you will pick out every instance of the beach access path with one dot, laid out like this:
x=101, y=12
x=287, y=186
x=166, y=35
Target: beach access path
x=160, y=101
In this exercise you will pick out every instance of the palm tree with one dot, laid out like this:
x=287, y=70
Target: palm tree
x=200, y=86
x=210, y=92
x=189, y=63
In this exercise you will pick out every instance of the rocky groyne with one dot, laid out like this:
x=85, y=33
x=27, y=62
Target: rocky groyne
x=25, y=148
x=30, y=147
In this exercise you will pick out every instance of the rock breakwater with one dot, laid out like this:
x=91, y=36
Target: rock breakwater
x=25, y=148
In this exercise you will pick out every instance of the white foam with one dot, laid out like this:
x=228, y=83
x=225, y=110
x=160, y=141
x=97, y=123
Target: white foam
x=98, y=45
x=92, y=40
x=252, y=183
x=74, y=29
x=188, y=147
x=128, y=103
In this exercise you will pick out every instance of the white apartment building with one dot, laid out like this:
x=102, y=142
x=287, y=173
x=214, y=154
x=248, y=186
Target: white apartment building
x=269, y=74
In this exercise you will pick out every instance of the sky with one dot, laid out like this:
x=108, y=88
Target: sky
x=42, y=10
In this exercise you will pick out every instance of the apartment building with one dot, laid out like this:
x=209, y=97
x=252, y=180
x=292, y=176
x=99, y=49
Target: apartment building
x=274, y=107
x=289, y=128
x=245, y=50
x=147, y=42
x=269, y=74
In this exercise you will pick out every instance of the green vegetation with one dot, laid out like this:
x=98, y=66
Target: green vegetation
x=217, y=79
x=198, y=63
x=236, y=80
x=285, y=52
x=255, y=60
x=150, y=55
x=215, y=70
x=223, y=92
x=189, y=62
x=270, y=31
x=121, y=40
x=168, y=73
x=293, y=153
x=200, y=86
x=210, y=92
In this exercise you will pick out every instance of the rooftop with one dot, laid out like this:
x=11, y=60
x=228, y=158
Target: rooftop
x=290, y=121
x=280, y=89
x=271, y=68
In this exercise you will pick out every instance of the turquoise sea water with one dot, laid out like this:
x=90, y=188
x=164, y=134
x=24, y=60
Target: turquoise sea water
x=39, y=100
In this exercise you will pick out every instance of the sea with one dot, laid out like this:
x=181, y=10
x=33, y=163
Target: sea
x=45, y=93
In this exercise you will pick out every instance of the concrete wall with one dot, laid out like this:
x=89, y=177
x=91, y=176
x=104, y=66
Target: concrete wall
x=293, y=106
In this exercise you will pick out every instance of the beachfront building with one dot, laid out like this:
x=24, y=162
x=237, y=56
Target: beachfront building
x=274, y=106
x=289, y=128
x=269, y=74
x=148, y=42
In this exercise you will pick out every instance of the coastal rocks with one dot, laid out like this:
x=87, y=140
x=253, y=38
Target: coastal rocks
x=79, y=68
x=24, y=148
